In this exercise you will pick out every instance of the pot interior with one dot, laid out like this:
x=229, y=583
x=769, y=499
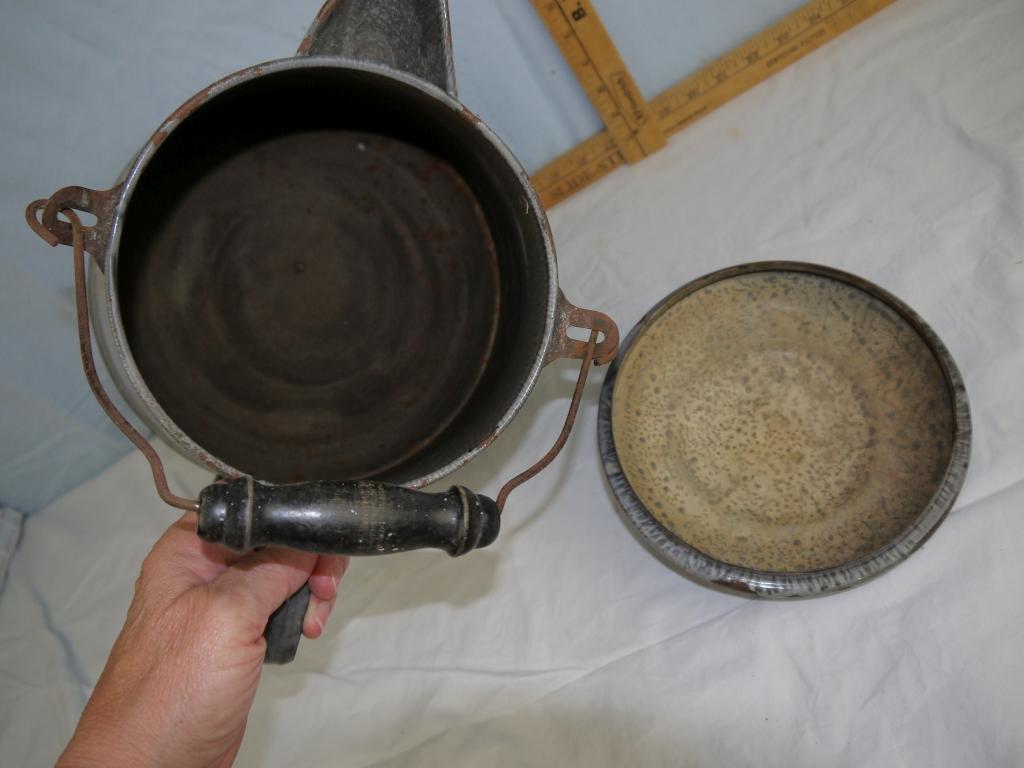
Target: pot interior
x=325, y=273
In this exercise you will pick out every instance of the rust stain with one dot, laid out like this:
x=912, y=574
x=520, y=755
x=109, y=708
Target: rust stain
x=180, y=114
x=736, y=586
x=325, y=12
x=438, y=234
x=470, y=117
x=570, y=316
x=162, y=133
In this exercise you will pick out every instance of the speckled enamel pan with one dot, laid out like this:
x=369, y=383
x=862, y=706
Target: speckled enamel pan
x=784, y=429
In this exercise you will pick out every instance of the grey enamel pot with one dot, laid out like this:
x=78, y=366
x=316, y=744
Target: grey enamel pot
x=326, y=280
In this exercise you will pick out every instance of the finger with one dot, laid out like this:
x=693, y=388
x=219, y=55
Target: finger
x=316, y=616
x=327, y=572
x=323, y=586
x=257, y=584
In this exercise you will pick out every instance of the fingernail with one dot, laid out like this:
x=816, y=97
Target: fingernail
x=323, y=611
x=313, y=613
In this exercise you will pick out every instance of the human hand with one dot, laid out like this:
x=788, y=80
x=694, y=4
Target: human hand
x=180, y=680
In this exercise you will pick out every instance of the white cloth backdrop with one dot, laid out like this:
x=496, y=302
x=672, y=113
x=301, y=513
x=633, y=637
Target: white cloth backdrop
x=897, y=153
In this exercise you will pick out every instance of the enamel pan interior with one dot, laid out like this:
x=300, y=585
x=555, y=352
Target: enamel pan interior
x=784, y=429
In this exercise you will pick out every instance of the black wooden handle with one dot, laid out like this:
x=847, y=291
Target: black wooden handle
x=284, y=628
x=359, y=517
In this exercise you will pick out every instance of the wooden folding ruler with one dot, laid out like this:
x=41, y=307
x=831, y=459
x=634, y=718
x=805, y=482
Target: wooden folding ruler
x=635, y=127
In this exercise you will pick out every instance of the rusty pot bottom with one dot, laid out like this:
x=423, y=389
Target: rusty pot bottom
x=316, y=304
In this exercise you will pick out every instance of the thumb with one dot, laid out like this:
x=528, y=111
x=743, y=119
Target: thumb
x=256, y=585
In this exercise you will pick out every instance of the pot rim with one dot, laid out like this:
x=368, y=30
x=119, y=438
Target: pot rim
x=693, y=563
x=152, y=412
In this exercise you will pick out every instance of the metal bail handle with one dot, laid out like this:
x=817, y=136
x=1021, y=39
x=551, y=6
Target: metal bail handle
x=76, y=237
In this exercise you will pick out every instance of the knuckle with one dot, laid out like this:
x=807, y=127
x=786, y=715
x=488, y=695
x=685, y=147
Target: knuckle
x=148, y=572
x=229, y=602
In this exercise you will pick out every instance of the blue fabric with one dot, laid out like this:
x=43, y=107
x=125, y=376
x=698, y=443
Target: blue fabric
x=10, y=532
x=84, y=84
